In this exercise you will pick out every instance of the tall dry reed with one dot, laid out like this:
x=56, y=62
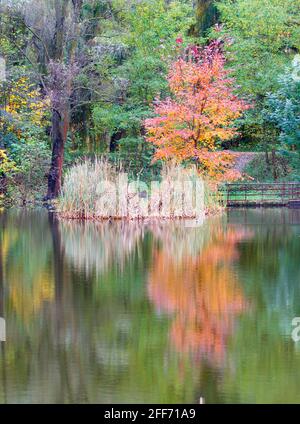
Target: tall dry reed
x=100, y=190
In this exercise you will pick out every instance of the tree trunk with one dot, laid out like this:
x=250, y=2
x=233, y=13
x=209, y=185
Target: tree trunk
x=206, y=16
x=60, y=114
x=59, y=135
x=60, y=19
x=267, y=157
x=59, y=122
x=114, y=141
x=274, y=164
x=3, y=185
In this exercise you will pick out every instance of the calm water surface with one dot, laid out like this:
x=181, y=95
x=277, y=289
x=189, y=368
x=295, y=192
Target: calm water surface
x=120, y=313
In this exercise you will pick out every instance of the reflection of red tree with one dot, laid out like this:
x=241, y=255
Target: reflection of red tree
x=202, y=292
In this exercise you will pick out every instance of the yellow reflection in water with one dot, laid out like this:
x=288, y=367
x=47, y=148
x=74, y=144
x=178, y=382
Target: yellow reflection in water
x=27, y=301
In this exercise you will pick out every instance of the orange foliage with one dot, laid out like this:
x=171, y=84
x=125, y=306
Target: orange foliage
x=200, y=113
x=202, y=292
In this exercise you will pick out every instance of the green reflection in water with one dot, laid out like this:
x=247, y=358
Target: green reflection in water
x=265, y=360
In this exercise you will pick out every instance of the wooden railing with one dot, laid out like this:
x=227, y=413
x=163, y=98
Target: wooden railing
x=261, y=194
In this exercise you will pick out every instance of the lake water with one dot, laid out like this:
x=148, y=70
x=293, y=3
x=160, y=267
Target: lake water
x=131, y=313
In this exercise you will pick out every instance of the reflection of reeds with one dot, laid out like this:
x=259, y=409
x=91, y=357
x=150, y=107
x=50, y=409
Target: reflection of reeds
x=180, y=241
x=94, y=246
x=97, y=245
x=99, y=190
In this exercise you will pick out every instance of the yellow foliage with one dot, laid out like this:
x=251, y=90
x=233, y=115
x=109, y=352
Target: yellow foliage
x=24, y=103
x=6, y=165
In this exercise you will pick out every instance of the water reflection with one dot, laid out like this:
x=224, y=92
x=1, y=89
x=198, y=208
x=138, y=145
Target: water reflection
x=199, y=288
x=149, y=313
x=93, y=247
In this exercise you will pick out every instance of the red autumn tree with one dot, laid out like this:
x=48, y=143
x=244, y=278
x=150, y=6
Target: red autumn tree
x=200, y=112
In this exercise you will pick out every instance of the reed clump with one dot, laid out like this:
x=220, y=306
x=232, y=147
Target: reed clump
x=99, y=190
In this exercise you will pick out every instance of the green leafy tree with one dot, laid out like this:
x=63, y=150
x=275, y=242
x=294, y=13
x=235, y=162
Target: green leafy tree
x=149, y=42
x=264, y=37
x=285, y=110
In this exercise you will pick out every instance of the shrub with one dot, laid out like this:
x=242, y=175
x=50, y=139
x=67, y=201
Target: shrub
x=29, y=181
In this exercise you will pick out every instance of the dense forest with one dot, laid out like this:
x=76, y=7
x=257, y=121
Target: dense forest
x=144, y=82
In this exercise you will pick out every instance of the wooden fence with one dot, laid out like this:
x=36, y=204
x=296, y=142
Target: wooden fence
x=265, y=194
